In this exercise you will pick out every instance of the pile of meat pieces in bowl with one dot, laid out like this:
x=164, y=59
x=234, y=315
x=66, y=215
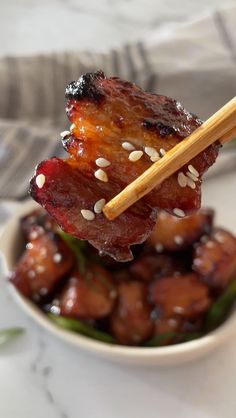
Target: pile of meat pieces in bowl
x=169, y=286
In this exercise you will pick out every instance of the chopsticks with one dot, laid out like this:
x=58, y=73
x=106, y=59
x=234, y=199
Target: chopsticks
x=221, y=126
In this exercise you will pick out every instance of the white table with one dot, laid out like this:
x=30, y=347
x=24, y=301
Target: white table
x=42, y=377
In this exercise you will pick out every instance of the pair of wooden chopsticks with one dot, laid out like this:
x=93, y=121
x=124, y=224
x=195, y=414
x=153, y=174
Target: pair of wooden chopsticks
x=221, y=126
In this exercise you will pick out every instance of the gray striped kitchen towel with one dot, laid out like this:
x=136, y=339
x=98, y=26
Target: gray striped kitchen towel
x=193, y=62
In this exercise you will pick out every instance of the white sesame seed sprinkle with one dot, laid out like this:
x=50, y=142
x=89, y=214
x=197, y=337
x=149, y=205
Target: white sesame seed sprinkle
x=87, y=214
x=192, y=176
x=172, y=322
x=113, y=294
x=191, y=183
x=155, y=158
x=178, y=239
x=72, y=126
x=193, y=170
x=55, y=310
x=40, y=180
x=182, y=179
x=33, y=235
x=178, y=309
x=29, y=246
x=64, y=134
x=159, y=247
x=31, y=274
x=99, y=205
x=40, y=269
x=210, y=244
x=102, y=162
x=219, y=237
x=43, y=291
x=135, y=155
x=101, y=175
x=150, y=151
x=162, y=152
x=179, y=212
x=57, y=258
x=128, y=146
x=197, y=262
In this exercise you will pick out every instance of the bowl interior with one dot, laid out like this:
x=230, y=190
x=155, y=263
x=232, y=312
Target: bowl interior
x=11, y=245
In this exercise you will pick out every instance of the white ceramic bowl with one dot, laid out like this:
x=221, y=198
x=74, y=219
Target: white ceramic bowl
x=10, y=249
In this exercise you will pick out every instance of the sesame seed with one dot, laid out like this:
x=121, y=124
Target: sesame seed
x=40, y=269
x=43, y=291
x=197, y=262
x=102, y=162
x=159, y=247
x=128, y=146
x=135, y=155
x=219, y=237
x=64, y=134
x=40, y=180
x=155, y=158
x=55, y=310
x=162, y=152
x=43, y=251
x=99, y=205
x=191, y=183
x=150, y=151
x=204, y=239
x=182, y=180
x=29, y=246
x=193, y=170
x=57, y=258
x=31, y=274
x=178, y=309
x=210, y=244
x=178, y=239
x=72, y=127
x=172, y=322
x=113, y=294
x=192, y=176
x=87, y=214
x=101, y=175
x=179, y=212
x=33, y=235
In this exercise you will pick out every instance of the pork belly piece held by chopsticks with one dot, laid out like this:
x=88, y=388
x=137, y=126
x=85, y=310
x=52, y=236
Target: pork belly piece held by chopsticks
x=117, y=132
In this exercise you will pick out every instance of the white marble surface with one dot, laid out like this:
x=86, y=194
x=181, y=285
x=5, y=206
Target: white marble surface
x=42, y=377
x=28, y=26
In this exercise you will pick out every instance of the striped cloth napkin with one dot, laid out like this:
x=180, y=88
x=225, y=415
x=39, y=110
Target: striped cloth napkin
x=194, y=63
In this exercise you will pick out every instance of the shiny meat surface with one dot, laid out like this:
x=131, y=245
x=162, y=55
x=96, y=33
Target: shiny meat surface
x=215, y=258
x=173, y=234
x=43, y=264
x=131, y=321
x=183, y=296
x=110, y=119
x=88, y=296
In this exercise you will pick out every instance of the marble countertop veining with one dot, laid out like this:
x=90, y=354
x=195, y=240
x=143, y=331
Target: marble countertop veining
x=41, y=376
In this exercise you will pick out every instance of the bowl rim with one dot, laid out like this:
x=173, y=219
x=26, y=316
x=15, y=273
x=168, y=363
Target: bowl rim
x=216, y=337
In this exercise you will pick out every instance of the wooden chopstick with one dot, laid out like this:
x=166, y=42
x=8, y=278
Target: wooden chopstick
x=220, y=126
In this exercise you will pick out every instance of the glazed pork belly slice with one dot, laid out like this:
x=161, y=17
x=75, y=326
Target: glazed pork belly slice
x=117, y=132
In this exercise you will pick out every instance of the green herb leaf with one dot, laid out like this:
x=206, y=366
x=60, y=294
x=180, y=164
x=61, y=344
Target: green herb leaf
x=82, y=328
x=221, y=307
x=9, y=334
x=78, y=247
x=160, y=339
x=176, y=337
